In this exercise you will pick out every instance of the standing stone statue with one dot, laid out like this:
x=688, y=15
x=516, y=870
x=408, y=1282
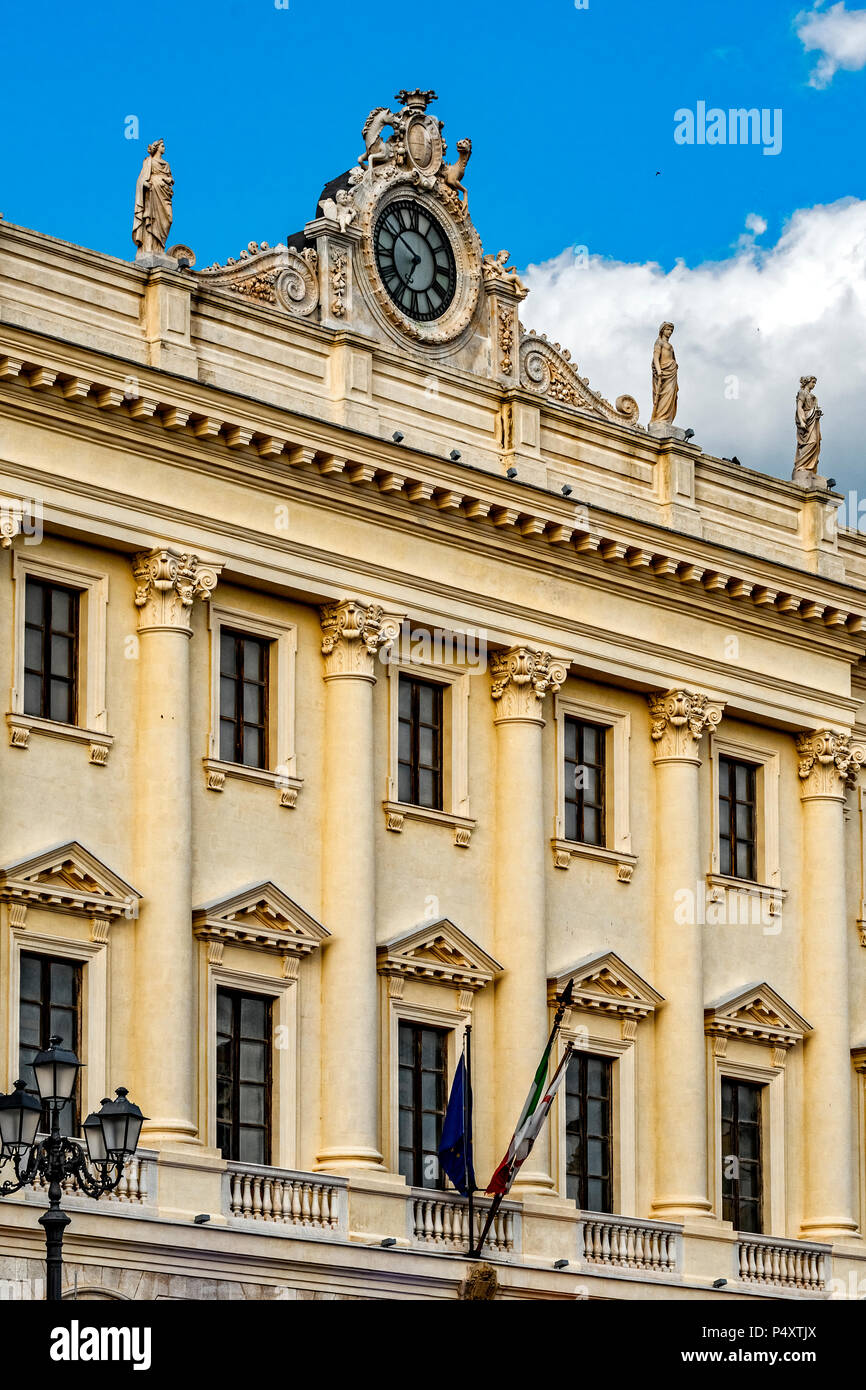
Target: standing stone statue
x=664, y=377
x=153, y=193
x=807, y=418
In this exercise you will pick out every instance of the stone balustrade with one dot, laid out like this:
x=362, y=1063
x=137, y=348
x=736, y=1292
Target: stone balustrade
x=137, y=1186
x=442, y=1222
x=622, y=1242
x=790, y=1264
x=304, y=1203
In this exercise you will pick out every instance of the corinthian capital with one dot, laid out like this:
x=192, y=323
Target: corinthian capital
x=520, y=679
x=353, y=635
x=167, y=583
x=829, y=762
x=679, y=720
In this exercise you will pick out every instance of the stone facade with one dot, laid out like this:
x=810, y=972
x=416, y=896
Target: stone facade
x=273, y=446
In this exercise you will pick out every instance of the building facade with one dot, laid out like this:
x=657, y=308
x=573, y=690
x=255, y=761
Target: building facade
x=367, y=675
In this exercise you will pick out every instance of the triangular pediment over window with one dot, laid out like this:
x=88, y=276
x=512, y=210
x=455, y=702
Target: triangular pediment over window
x=70, y=878
x=438, y=951
x=261, y=915
x=605, y=984
x=758, y=1013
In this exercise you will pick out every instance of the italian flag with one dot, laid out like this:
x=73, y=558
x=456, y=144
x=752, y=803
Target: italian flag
x=532, y=1118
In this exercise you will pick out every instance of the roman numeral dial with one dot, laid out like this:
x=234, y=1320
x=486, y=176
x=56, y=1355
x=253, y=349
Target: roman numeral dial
x=415, y=260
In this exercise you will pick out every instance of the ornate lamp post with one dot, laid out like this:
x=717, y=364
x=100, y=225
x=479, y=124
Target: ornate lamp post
x=111, y=1136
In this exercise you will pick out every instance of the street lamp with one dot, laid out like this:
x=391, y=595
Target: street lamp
x=110, y=1135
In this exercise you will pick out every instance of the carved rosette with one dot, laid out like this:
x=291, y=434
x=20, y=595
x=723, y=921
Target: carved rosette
x=353, y=635
x=167, y=583
x=680, y=718
x=829, y=764
x=520, y=680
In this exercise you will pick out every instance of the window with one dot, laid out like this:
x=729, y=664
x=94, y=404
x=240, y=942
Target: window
x=588, y=1132
x=49, y=1005
x=423, y=1056
x=584, y=781
x=737, y=819
x=420, y=743
x=741, y=1154
x=243, y=1076
x=50, y=651
x=243, y=699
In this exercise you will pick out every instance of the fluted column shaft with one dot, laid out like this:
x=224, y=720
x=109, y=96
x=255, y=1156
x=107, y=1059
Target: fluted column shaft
x=165, y=1020
x=353, y=635
x=828, y=762
x=679, y=720
x=521, y=680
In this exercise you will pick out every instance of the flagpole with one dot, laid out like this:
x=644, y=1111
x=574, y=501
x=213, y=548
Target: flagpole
x=467, y=1130
x=563, y=1003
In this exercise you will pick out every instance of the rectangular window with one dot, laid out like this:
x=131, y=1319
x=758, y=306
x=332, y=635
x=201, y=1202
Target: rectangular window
x=243, y=1076
x=243, y=699
x=48, y=1006
x=419, y=753
x=741, y=1154
x=50, y=651
x=423, y=1059
x=585, y=750
x=737, y=819
x=588, y=1168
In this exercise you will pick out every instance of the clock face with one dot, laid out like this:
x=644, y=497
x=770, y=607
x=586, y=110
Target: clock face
x=415, y=260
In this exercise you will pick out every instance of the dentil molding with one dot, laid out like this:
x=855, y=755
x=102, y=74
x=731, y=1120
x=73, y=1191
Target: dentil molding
x=829, y=763
x=167, y=583
x=520, y=680
x=680, y=718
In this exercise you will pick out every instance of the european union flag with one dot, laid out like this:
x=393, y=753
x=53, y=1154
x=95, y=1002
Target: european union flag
x=455, y=1146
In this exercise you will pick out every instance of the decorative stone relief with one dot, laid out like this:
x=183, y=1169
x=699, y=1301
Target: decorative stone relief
x=759, y=1014
x=262, y=916
x=607, y=985
x=505, y=319
x=440, y=952
x=353, y=635
x=829, y=763
x=71, y=879
x=167, y=583
x=547, y=369
x=680, y=718
x=521, y=678
x=339, y=273
x=275, y=275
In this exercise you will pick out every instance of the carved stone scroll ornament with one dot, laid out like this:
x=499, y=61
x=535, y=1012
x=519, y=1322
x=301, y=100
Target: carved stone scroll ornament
x=353, y=634
x=520, y=680
x=167, y=583
x=548, y=370
x=829, y=763
x=278, y=275
x=680, y=718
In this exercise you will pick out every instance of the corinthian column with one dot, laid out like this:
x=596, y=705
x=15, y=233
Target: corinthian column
x=353, y=635
x=680, y=719
x=828, y=763
x=166, y=1044
x=521, y=680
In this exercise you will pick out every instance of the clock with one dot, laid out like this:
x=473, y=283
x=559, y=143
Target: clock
x=415, y=260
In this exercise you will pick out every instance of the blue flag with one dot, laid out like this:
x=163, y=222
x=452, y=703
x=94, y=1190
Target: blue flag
x=455, y=1146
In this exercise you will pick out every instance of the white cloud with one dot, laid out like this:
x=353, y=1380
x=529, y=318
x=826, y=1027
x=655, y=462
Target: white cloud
x=747, y=329
x=838, y=35
x=756, y=223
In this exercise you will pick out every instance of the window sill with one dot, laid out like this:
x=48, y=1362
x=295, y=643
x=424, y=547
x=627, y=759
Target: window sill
x=287, y=787
x=21, y=726
x=566, y=850
x=397, y=812
x=721, y=884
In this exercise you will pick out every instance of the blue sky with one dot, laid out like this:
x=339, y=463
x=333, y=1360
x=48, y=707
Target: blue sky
x=570, y=111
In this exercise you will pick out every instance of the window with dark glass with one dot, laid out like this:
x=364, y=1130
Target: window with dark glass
x=588, y=1169
x=243, y=699
x=585, y=750
x=243, y=1076
x=737, y=820
x=50, y=651
x=49, y=1005
x=742, y=1179
x=423, y=1060
x=419, y=753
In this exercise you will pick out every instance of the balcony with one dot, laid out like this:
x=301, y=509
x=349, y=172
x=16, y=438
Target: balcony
x=288, y=1203
x=441, y=1222
x=784, y=1264
x=623, y=1242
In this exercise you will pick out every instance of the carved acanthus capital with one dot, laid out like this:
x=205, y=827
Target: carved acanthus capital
x=680, y=718
x=520, y=679
x=829, y=763
x=167, y=583
x=353, y=635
